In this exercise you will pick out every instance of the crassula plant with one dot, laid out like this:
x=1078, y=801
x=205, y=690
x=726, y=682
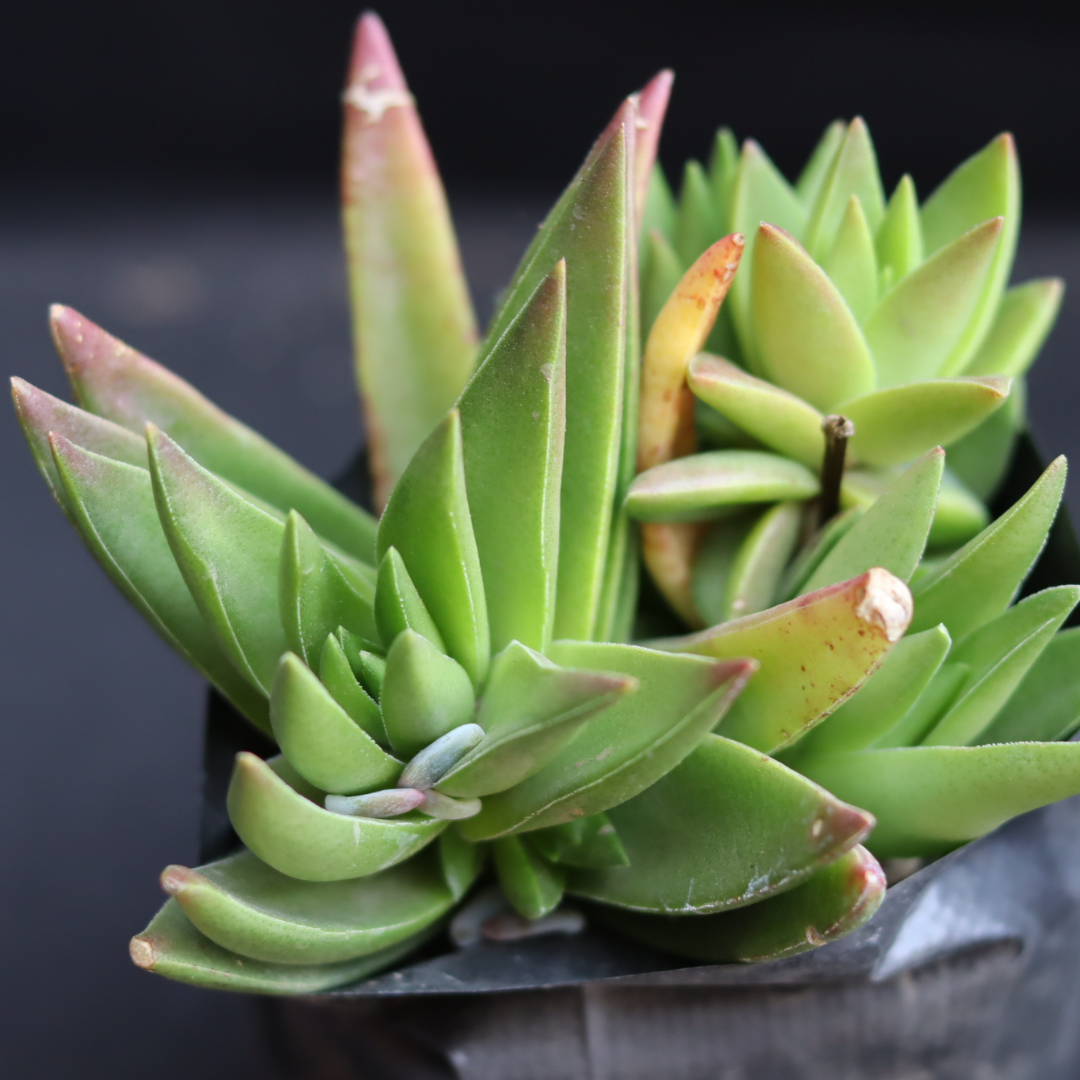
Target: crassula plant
x=466, y=686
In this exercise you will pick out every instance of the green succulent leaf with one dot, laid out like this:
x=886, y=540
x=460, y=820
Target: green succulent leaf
x=853, y=171
x=590, y=843
x=980, y=458
x=695, y=488
x=658, y=214
x=999, y=654
x=713, y=563
x=661, y=272
x=513, y=421
x=761, y=194
x=172, y=947
x=41, y=415
x=629, y=746
x=807, y=338
x=112, y=505
x=425, y=694
x=533, y=885
x=893, y=531
x=592, y=228
x=931, y=799
x=818, y=547
x=337, y=675
x=780, y=420
x=943, y=689
x=816, y=169
x=247, y=907
x=899, y=242
x=696, y=223
x=896, y=424
x=1046, y=704
x=319, y=738
x=279, y=817
x=427, y=521
x=835, y=901
x=812, y=653
x=883, y=700
x=460, y=860
x=684, y=836
x=530, y=710
x=398, y=605
x=985, y=186
x=915, y=328
x=852, y=263
x=723, y=172
x=1023, y=321
x=314, y=595
x=114, y=381
x=978, y=581
x=413, y=325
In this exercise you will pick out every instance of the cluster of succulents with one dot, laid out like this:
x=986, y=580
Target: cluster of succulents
x=459, y=686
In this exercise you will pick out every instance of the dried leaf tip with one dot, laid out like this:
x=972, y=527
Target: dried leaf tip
x=142, y=952
x=885, y=602
x=375, y=82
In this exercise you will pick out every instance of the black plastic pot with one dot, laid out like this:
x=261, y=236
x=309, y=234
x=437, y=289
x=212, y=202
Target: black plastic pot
x=970, y=970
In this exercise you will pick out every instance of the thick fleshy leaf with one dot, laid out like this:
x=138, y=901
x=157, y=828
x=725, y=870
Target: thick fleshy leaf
x=245, y=906
x=114, y=381
x=461, y=861
x=590, y=843
x=893, y=531
x=661, y=271
x=980, y=458
x=513, y=419
x=627, y=747
x=896, y=424
x=1023, y=319
x=812, y=652
x=761, y=194
x=881, y=701
x=172, y=947
x=337, y=675
x=835, y=901
x=112, y=505
x=959, y=516
x=228, y=550
x=425, y=694
x=978, y=582
x=781, y=420
x=652, y=103
x=916, y=326
x=1000, y=654
x=1046, y=704
x=942, y=690
x=665, y=424
x=658, y=213
x=712, y=564
x=431, y=764
x=899, y=241
x=985, y=186
x=314, y=596
x=931, y=799
x=686, y=836
x=533, y=885
x=669, y=551
x=723, y=172
x=398, y=605
x=852, y=263
x=320, y=740
x=853, y=171
x=759, y=563
x=817, y=547
x=41, y=414
x=413, y=325
x=427, y=521
x=817, y=167
x=696, y=222
x=591, y=227
x=530, y=710
x=694, y=488
x=808, y=341
x=277, y=816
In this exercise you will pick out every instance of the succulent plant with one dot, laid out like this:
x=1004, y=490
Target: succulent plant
x=453, y=685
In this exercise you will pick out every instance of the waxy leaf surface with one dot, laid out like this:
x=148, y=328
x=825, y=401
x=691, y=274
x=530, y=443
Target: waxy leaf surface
x=399, y=606
x=816, y=169
x=1023, y=319
x=533, y=885
x=337, y=675
x=687, y=836
x=899, y=242
x=696, y=222
x=852, y=263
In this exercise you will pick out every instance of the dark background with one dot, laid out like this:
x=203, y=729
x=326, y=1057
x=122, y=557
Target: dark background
x=170, y=170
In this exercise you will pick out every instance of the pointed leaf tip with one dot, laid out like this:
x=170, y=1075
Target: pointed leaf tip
x=374, y=63
x=652, y=103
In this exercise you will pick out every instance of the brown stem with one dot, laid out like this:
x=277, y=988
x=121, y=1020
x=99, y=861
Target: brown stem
x=838, y=429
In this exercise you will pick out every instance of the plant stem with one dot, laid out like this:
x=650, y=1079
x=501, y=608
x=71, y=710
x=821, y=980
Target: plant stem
x=838, y=429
